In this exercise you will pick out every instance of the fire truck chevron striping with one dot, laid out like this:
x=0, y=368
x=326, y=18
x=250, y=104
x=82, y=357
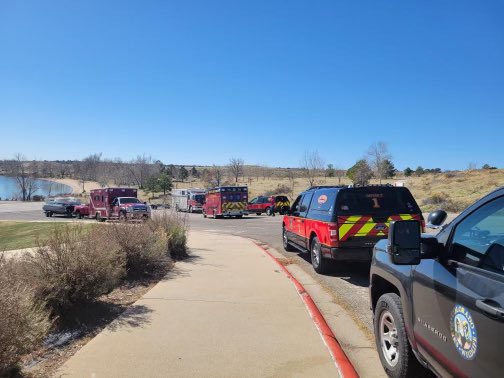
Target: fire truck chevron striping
x=357, y=225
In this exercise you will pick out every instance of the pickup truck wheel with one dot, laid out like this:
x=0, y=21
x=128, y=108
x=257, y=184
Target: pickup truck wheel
x=78, y=215
x=122, y=216
x=318, y=262
x=392, y=342
x=268, y=211
x=285, y=241
x=47, y=213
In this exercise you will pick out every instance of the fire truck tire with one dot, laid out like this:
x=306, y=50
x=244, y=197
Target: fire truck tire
x=285, y=240
x=122, y=216
x=78, y=215
x=258, y=213
x=318, y=262
x=239, y=216
x=204, y=214
x=190, y=209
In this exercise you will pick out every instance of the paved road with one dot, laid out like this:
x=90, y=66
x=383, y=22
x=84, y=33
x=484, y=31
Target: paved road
x=25, y=211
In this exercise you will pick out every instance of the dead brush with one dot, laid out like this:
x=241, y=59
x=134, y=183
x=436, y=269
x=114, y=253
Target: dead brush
x=144, y=248
x=175, y=228
x=75, y=267
x=24, y=321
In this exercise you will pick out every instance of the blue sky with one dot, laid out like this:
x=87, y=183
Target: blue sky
x=198, y=82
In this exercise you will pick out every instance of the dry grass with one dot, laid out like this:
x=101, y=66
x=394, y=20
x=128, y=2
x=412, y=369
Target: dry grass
x=461, y=188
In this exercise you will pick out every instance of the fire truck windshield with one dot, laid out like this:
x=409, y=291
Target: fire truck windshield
x=200, y=198
x=129, y=200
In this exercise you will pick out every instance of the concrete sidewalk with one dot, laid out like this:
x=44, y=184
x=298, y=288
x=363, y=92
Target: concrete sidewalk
x=226, y=312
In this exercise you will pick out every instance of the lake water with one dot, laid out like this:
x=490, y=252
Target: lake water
x=9, y=188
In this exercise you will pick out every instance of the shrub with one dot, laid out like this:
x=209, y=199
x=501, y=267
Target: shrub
x=75, y=267
x=144, y=248
x=24, y=322
x=280, y=189
x=443, y=201
x=175, y=229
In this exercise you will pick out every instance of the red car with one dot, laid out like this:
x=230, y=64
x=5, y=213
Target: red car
x=263, y=204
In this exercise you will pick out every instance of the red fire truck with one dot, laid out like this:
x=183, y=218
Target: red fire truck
x=230, y=201
x=116, y=203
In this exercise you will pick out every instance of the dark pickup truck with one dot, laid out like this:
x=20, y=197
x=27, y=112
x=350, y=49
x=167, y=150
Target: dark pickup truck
x=438, y=301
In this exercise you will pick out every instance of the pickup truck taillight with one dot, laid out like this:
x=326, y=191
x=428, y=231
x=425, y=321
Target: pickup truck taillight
x=333, y=231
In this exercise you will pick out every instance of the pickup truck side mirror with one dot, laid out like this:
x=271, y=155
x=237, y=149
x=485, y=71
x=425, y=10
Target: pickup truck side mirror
x=436, y=219
x=404, y=242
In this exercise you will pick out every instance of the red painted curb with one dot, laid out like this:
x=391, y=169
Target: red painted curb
x=343, y=364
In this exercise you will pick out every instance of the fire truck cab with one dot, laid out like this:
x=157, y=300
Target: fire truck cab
x=189, y=200
x=116, y=203
x=229, y=201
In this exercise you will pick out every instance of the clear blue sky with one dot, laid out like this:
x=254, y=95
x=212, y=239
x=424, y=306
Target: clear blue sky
x=202, y=81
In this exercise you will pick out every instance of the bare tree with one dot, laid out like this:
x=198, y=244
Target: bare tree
x=217, y=175
x=312, y=165
x=236, y=168
x=141, y=169
x=25, y=180
x=376, y=156
x=339, y=173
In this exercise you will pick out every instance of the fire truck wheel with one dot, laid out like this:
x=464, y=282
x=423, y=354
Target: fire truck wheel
x=318, y=262
x=190, y=209
x=286, y=243
x=258, y=213
x=122, y=216
x=78, y=215
x=204, y=214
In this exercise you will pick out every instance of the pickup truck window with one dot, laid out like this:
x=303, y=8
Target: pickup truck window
x=295, y=205
x=479, y=239
x=303, y=209
x=376, y=200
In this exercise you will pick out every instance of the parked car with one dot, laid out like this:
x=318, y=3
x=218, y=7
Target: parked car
x=264, y=204
x=438, y=300
x=63, y=206
x=81, y=211
x=344, y=223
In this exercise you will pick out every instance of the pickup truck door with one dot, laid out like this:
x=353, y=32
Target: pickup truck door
x=303, y=211
x=458, y=302
x=293, y=222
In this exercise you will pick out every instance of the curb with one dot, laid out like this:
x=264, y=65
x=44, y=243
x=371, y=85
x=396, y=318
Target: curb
x=343, y=364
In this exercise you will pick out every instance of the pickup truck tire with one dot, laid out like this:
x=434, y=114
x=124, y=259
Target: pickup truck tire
x=391, y=339
x=285, y=241
x=78, y=215
x=318, y=262
x=268, y=211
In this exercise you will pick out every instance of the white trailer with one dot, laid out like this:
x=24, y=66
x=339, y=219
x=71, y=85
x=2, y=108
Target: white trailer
x=189, y=200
